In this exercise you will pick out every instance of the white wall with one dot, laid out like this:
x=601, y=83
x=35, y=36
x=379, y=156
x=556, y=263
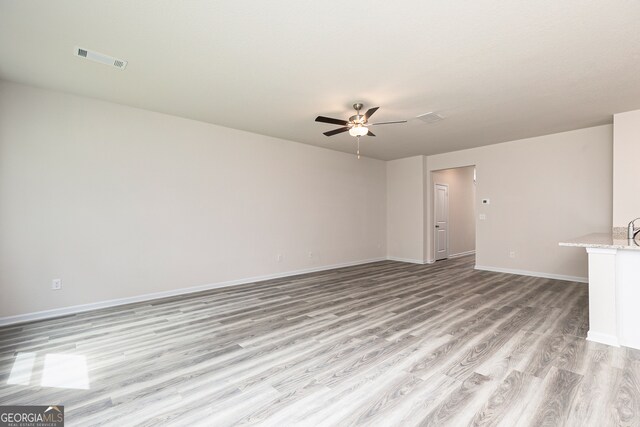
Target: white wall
x=405, y=209
x=626, y=164
x=542, y=190
x=462, y=203
x=119, y=202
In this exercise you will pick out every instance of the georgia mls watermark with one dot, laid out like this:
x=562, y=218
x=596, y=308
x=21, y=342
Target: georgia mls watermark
x=32, y=416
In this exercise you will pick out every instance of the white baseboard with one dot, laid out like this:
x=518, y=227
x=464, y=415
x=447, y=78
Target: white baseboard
x=57, y=312
x=533, y=273
x=603, y=338
x=411, y=260
x=458, y=255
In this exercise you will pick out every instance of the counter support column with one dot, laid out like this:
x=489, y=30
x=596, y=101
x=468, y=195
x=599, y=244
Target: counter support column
x=603, y=310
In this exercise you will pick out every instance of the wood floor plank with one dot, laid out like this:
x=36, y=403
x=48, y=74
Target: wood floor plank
x=626, y=399
x=454, y=409
x=554, y=401
x=507, y=402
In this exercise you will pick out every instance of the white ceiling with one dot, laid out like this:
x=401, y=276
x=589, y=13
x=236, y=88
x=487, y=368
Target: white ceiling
x=497, y=71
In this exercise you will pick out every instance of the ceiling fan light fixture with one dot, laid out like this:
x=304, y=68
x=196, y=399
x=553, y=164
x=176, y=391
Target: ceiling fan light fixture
x=358, y=130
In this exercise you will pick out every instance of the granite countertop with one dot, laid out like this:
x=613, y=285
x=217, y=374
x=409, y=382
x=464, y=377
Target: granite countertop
x=602, y=240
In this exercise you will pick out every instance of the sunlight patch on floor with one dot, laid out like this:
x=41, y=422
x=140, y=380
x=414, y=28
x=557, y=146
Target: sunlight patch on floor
x=65, y=371
x=22, y=369
x=58, y=370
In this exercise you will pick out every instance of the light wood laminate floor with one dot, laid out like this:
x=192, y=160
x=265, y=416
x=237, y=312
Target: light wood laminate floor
x=383, y=344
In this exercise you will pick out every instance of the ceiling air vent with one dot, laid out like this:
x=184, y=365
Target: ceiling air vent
x=430, y=117
x=101, y=58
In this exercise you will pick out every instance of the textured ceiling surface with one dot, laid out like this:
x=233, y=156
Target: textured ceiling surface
x=496, y=71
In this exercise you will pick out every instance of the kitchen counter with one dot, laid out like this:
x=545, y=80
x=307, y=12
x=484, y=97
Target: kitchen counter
x=614, y=288
x=602, y=240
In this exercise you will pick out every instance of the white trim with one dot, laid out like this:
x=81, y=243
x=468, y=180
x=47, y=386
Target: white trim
x=603, y=338
x=458, y=255
x=533, y=273
x=57, y=312
x=607, y=251
x=411, y=260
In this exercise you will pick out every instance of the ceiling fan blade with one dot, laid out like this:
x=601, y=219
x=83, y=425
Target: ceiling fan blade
x=371, y=134
x=370, y=112
x=332, y=121
x=336, y=131
x=387, y=123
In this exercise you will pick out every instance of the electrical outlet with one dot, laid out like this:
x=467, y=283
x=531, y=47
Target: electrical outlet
x=482, y=216
x=512, y=254
x=56, y=284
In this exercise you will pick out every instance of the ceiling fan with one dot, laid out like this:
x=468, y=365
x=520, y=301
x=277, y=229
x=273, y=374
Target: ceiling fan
x=357, y=125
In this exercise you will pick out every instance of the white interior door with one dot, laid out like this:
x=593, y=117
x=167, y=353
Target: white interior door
x=442, y=221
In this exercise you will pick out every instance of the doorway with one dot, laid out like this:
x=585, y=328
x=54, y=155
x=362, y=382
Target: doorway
x=454, y=215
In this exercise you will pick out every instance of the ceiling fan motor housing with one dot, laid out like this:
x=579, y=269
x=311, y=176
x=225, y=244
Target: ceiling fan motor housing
x=357, y=119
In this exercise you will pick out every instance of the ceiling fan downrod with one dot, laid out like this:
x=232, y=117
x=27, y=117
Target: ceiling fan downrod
x=358, y=106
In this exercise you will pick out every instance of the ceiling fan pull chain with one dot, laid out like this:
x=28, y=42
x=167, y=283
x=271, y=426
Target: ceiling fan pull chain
x=358, y=152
